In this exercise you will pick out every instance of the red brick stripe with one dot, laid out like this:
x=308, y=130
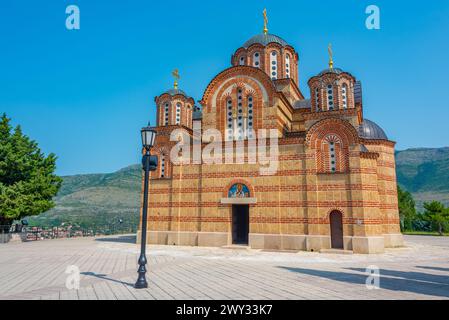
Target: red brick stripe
x=274, y=220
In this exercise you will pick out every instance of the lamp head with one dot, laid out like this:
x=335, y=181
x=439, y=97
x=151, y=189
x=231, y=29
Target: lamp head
x=148, y=137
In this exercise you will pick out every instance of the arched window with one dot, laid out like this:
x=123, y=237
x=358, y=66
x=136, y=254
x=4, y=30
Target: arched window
x=333, y=143
x=273, y=64
x=256, y=59
x=330, y=97
x=188, y=114
x=162, y=166
x=317, y=99
x=242, y=61
x=178, y=113
x=332, y=157
x=250, y=117
x=287, y=66
x=344, y=96
x=166, y=113
x=229, y=121
x=240, y=122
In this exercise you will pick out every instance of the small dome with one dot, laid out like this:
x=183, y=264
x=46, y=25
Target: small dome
x=174, y=92
x=371, y=131
x=265, y=39
x=334, y=70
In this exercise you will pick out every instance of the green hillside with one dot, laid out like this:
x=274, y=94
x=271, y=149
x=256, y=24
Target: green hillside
x=425, y=173
x=97, y=199
x=102, y=199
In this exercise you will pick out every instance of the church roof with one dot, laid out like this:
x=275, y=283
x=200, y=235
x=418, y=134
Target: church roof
x=174, y=92
x=334, y=70
x=302, y=104
x=371, y=131
x=265, y=39
x=363, y=148
x=197, y=115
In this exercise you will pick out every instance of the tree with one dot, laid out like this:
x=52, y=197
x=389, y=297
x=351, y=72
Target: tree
x=407, y=211
x=27, y=180
x=437, y=215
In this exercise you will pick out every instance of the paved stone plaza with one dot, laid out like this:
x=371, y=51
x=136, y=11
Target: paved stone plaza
x=36, y=270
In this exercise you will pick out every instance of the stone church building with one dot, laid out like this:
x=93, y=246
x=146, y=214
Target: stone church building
x=335, y=185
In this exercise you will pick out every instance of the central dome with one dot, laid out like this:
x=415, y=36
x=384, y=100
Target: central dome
x=265, y=39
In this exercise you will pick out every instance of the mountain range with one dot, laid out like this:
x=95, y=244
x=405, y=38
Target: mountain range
x=106, y=199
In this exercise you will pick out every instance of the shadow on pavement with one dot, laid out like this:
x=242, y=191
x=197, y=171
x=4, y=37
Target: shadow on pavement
x=123, y=239
x=104, y=277
x=434, y=268
x=414, y=282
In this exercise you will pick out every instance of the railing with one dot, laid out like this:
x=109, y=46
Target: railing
x=8, y=229
x=35, y=233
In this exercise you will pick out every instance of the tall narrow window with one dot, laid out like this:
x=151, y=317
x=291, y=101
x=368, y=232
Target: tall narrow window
x=178, y=113
x=287, y=66
x=229, y=121
x=256, y=60
x=188, y=115
x=344, y=96
x=274, y=66
x=162, y=166
x=242, y=61
x=330, y=97
x=317, y=99
x=332, y=157
x=332, y=142
x=250, y=117
x=166, y=114
x=240, y=114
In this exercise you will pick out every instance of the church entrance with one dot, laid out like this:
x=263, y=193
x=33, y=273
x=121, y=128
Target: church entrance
x=240, y=224
x=336, y=221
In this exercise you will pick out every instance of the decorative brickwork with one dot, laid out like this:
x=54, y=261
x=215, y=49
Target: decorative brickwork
x=324, y=166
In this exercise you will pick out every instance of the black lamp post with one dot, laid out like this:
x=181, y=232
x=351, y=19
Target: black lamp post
x=149, y=163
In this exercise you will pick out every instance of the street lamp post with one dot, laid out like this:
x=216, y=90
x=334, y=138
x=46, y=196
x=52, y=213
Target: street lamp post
x=149, y=163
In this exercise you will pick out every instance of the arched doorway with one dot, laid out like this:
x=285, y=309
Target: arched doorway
x=240, y=213
x=336, y=226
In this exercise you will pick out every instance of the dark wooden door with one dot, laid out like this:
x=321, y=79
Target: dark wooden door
x=336, y=220
x=240, y=224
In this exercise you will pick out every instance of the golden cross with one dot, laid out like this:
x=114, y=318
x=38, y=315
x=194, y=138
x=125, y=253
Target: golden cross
x=265, y=21
x=175, y=75
x=331, y=61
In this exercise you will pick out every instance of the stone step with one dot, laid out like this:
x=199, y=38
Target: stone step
x=237, y=247
x=336, y=251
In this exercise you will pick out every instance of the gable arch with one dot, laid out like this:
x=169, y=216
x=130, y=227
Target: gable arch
x=257, y=78
x=342, y=128
x=331, y=139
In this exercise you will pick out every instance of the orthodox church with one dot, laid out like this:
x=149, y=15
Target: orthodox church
x=335, y=185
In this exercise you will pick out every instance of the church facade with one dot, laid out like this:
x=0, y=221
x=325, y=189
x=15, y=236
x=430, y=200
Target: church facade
x=334, y=185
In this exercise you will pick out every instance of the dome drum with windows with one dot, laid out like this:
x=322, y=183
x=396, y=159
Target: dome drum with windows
x=174, y=106
x=270, y=53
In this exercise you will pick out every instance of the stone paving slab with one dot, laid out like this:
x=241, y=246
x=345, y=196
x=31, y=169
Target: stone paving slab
x=37, y=270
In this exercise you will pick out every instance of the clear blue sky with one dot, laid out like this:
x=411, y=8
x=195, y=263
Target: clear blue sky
x=85, y=94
